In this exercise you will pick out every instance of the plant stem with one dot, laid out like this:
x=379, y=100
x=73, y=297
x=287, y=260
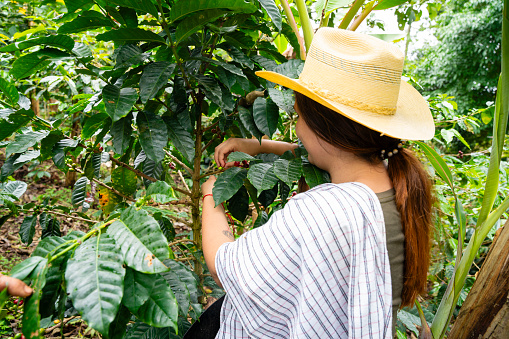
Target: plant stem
x=351, y=14
x=212, y=173
x=367, y=10
x=164, y=24
x=307, y=28
x=181, y=164
x=291, y=20
x=179, y=241
x=70, y=216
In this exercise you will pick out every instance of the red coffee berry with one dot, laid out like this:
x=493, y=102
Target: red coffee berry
x=20, y=302
x=101, y=149
x=245, y=164
x=460, y=154
x=171, y=165
x=294, y=194
x=236, y=164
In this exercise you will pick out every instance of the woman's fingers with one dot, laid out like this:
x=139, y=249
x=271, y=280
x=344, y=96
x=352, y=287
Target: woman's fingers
x=15, y=287
x=222, y=151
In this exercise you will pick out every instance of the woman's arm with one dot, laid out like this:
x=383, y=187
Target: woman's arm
x=249, y=146
x=215, y=229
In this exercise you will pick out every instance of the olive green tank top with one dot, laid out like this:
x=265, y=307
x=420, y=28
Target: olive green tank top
x=396, y=248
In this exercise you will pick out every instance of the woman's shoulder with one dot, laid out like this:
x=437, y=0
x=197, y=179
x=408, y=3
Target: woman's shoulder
x=353, y=193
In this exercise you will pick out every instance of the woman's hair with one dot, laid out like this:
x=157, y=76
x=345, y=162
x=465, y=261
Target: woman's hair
x=411, y=183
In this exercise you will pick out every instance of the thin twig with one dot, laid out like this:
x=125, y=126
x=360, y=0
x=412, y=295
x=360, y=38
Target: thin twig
x=70, y=216
x=184, y=259
x=212, y=173
x=185, y=222
x=208, y=144
x=178, y=162
x=132, y=169
x=50, y=329
x=183, y=181
x=181, y=241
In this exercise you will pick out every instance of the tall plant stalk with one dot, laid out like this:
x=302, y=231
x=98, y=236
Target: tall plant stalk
x=486, y=219
x=305, y=21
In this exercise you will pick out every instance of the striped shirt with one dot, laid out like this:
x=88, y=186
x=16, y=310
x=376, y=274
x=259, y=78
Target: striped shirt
x=318, y=268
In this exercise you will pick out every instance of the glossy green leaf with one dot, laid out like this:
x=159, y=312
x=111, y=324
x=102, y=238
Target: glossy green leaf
x=262, y=176
x=211, y=88
x=160, y=192
x=74, y=5
x=238, y=205
x=94, y=124
x=118, y=326
x=195, y=22
x=273, y=11
x=241, y=156
x=284, y=99
x=183, y=8
x=28, y=64
x=14, y=122
x=9, y=90
x=47, y=245
x=138, y=287
x=160, y=309
x=141, y=241
x=266, y=115
x=314, y=176
x=247, y=119
x=79, y=191
x=330, y=5
x=237, y=55
x=261, y=220
x=121, y=131
x=51, y=291
x=142, y=6
x=95, y=281
x=9, y=167
x=184, y=284
x=52, y=228
x=27, y=229
x=15, y=188
x=140, y=330
x=291, y=68
x=31, y=317
x=153, y=135
x=167, y=228
x=124, y=180
x=118, y=101
x=24, y=141
x=129, y=54
x=384, y=4
x=153, y=78
x=88, y=23
x=130, y=35
x=181, y=139
x=26, y=157
x=23, y=270
x=438, y=163
x=228, y=183
x=3, y=299
x=58, y=40
x=289, y=171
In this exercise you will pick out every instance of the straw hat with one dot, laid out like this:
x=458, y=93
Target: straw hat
x=359, y=76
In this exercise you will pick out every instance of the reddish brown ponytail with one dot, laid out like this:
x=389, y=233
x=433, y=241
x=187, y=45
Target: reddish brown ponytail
x=411, y=184
x=414, y=202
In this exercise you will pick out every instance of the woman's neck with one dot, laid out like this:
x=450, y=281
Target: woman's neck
x=350, y=168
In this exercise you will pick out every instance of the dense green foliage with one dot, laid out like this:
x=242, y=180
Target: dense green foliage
x=465, y=63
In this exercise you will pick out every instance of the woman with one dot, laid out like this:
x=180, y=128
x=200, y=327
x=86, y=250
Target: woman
x=341, y=258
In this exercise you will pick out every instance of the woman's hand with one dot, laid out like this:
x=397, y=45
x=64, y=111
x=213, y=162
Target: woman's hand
x=249, y=146
x=206, y=187
x=15, y=287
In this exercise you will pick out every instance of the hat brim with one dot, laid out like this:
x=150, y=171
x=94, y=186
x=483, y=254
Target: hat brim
x=411, y=121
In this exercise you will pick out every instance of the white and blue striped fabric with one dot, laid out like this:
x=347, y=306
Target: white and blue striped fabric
x=318, y=268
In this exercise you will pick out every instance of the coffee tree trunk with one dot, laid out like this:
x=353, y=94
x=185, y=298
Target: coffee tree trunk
x=485, y=312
